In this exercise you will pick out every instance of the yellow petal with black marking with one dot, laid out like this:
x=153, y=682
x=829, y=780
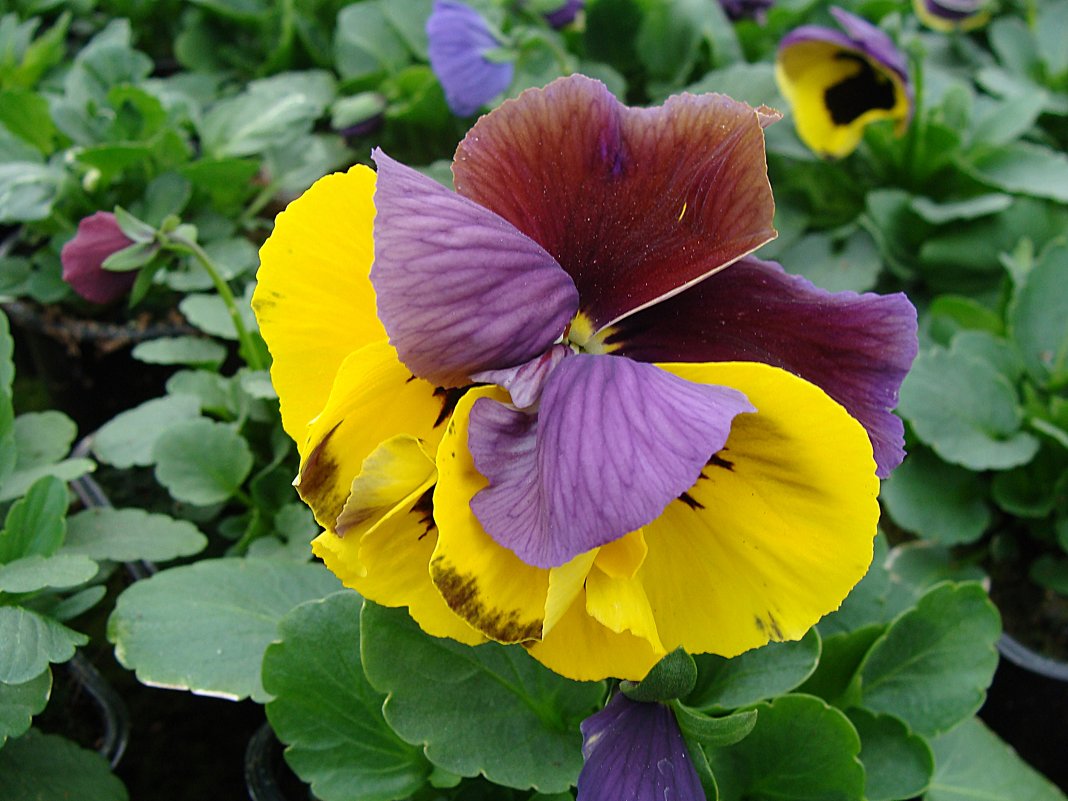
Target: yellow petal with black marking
x=486, y=584
x=373, y=399
x=314, y=300
x=777, y=530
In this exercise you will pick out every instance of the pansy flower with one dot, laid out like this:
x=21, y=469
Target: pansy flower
x=952, y=15
x=565, y=13
x=584, y=418
x=635, y=750
x=83, y=257
x=460, y=41
x=756, y=10
x=839, y=82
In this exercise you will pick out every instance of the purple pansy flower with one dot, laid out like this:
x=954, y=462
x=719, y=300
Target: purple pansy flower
x=459, y=39
x=746, y=9
x=634, y=751
x=565, y=14
x=98, y=237
x=952, y=15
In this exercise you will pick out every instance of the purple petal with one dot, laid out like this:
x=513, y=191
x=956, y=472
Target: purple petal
x=860, y=35
x=613, y=443
x=634, y=751
x=635, y=203
x=459, y=289
x=746, y=9
x=565, y=14
x=458, y=38
x=525, y=382
x=856, y=347
x=98, y=237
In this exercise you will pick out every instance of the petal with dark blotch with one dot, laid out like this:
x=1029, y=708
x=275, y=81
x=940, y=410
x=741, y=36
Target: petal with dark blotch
x=613, y=443
x=635, y=751
x=459, y=289
x=635, y=203
x=856, y=347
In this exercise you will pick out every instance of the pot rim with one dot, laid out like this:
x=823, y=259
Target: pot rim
x=1022, y=656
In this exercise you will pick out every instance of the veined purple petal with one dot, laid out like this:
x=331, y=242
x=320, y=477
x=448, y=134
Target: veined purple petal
x=635, y=203
x=458, y=38
x=634, y=751
x=566, y=13
x=98, y=237
x=856, y=347
x=459, y=289
x=613, y=443
x=525, y=382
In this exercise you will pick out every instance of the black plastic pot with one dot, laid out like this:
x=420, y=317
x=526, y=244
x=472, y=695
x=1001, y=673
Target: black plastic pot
x=1027, y=705
x=266, y=773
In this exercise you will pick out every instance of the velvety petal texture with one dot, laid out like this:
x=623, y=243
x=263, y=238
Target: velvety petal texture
x=98, y=237
x=838, y=83
x=614, y=441
x=856, y=347
x=460, y=290
x=459, y=39
x=635, y=751
x=635, y=204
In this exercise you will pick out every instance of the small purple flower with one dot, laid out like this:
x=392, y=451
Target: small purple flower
x=746, y=9
x=98, y=237
x=565, y=14
x=459, y=40
x=635, y=751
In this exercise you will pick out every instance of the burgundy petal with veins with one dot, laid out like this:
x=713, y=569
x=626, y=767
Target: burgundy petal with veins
x=459, y=289
x=856, y=347
x=613, y=443
x=635, y=203
x=635, y=751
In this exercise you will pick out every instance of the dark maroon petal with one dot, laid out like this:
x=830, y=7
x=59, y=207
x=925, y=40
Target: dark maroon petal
x=634, y=203
x=98, y=237
x=613, y=443
x=856, y=347
x=459, y=289
x=458, y=37
x=635, y=751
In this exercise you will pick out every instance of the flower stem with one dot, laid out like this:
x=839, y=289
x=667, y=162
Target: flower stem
x=248, y=347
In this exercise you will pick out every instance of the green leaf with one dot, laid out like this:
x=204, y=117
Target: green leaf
x=490, y=710
x=966, y=410
x=36, y=523
x=672, y=677
x=204, y=627
x=1051, y=573
x=932, y=666
x=1005, y=121
x=27, y=191
x=20, y=482
x=180, y=350
x=834, y=678
x=33, y=573
x=1025, y=168
x=201, y=461
x=366, y=42
x=226, y=180
x=211, y=315
x=409, y=20
x=937, y=501
x=866, y=602
x=80, y=602
x=991, y=349
x=756, y=675
x=43, y=438
x=26, y=115
x=836, y=266
x=31, y=641
x=20, y=702
x=126, y=535
x=750, y=83
x=669, y=37
x=897, y=763
x=918, y=566
x=1037, y=318
x=951, y=211
x=801, y=749
x=328, y=714
x=128, y=439
x=713, y=732
x=971, y=762
x=45, y=766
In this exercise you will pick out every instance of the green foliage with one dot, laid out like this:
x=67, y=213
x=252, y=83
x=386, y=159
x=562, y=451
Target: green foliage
x=38, y=766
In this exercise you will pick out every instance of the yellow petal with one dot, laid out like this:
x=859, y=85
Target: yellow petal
x=483, y=582
x=620, y=604
x=621, y=558
x=565, y=583
x=805, y=71
x=777, y=530
x=373, y=399
x=580, y=648
x=314, y=301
